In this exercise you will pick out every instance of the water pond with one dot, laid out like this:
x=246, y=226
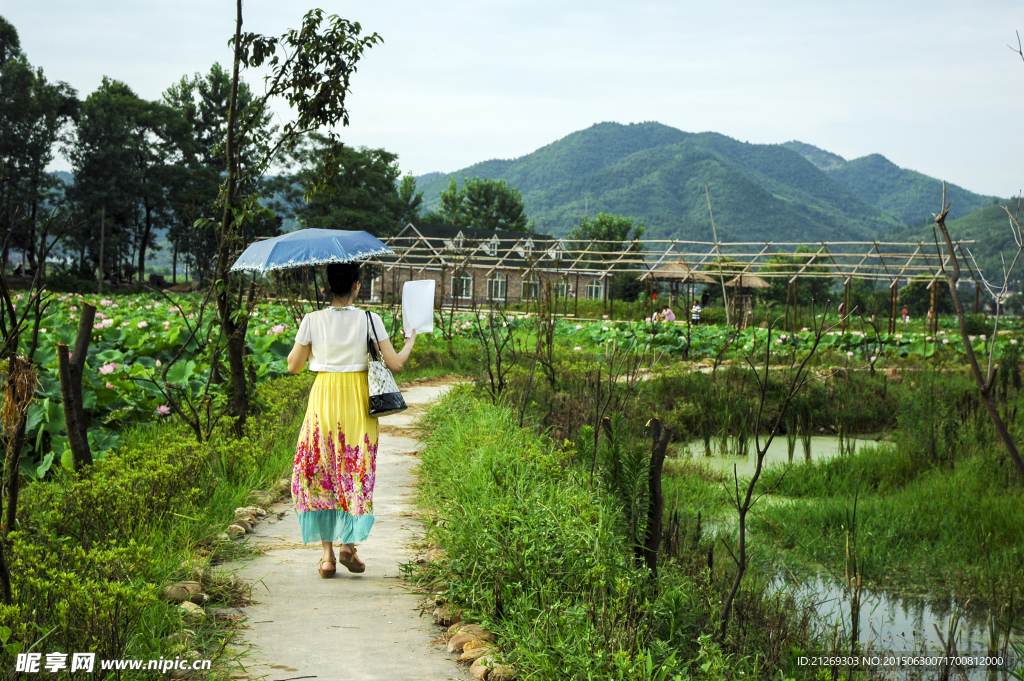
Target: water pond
x=888, y=622
x=820, y=448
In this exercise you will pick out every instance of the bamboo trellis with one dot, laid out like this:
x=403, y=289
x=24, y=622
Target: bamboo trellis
x=892, y=263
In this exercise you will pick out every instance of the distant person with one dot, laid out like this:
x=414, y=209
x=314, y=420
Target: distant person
x=704, y=298
x=842, y=309
x=335, y=457
x=695, y=313
x=906, y=316
x=667, y=315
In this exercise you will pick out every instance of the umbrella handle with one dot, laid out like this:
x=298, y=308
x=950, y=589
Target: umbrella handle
x=316, y=288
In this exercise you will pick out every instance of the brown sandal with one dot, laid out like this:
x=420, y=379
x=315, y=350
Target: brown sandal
x=326, y=574
x=351, y=563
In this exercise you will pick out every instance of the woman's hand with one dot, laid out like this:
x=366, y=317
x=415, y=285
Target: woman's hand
x=396, y=360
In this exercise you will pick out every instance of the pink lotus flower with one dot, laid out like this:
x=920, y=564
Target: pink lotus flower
x=158, y=363
x=604, y=316
x=256, y=332
x=143, y=324
x=108, y=368
x=945, y=341
x=106, y=301
x=275, y=329
x=983, y=337
x=1013, y=341
x=849, y=353
x=579, y=326
x=163, y=410
x=109, y=385
x=577, y=348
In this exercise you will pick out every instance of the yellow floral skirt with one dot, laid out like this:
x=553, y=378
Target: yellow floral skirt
x=336, y=460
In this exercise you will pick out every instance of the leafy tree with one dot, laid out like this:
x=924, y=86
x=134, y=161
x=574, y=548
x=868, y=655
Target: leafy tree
x=125, y=156
x=354, y=188
x=813, y=286
x=203, y=102
x=606, y=227
x=411, y=200
x=485, y=204
x=34, y=115
x=311, y=68
x=917, y=297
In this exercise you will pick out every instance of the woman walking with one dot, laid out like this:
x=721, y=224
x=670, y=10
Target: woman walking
x=336, y=455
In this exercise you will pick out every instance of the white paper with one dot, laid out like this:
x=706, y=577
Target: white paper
x=418, y=306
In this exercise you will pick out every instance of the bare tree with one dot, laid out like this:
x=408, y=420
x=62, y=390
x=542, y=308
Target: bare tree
x=744, y=500
x=986, y=379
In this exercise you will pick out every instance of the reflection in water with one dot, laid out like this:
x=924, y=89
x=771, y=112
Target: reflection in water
x=900, y=625
x=885, y=622
x=821, y=448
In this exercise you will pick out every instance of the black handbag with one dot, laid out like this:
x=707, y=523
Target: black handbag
x=385, y=397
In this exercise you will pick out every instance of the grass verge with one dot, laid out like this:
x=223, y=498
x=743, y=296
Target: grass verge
x=536, y=554
x=91, y=552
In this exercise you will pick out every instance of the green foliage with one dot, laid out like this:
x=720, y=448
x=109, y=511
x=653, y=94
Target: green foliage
x=916, y=297
x=484, y=204
x=607, y=227
x=908, y=195
x=33, y=116
x=92, y=550
x=355, y=189
x=546, y=561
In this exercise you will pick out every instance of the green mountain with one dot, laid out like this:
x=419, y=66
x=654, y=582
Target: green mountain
x=989, y=228
x=657, y=174
x=909, y=196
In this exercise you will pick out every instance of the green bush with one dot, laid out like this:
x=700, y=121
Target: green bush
x=92, y=549
x=62, y=281
x=712, y=315
x=977, y=324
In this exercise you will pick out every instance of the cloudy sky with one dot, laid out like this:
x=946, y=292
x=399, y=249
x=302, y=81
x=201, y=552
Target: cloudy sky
x=931, y=85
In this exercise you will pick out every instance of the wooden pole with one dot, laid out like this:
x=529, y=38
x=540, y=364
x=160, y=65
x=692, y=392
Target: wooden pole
x=576, y=303
x=931, y=308
x=655, y=510
x=846, y=303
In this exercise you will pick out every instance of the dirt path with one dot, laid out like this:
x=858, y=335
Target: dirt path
x=351, y=627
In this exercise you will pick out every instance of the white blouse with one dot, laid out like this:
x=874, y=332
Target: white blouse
x=338, y=335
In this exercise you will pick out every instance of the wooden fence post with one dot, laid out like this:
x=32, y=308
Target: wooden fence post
x=656, y=506
x=70, y=371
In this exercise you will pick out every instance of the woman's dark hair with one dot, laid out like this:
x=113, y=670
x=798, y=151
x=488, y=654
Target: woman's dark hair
x=341, y=277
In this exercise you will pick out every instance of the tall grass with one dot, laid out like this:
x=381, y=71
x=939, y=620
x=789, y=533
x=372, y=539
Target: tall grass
x=941, y=503
x=544, y=559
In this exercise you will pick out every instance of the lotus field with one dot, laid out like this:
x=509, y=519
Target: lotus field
x=136, y=336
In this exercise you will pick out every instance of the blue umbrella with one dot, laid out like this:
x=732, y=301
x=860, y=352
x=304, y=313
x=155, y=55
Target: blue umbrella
x=307, y=247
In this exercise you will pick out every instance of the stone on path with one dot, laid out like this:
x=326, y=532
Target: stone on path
x=352, y=627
